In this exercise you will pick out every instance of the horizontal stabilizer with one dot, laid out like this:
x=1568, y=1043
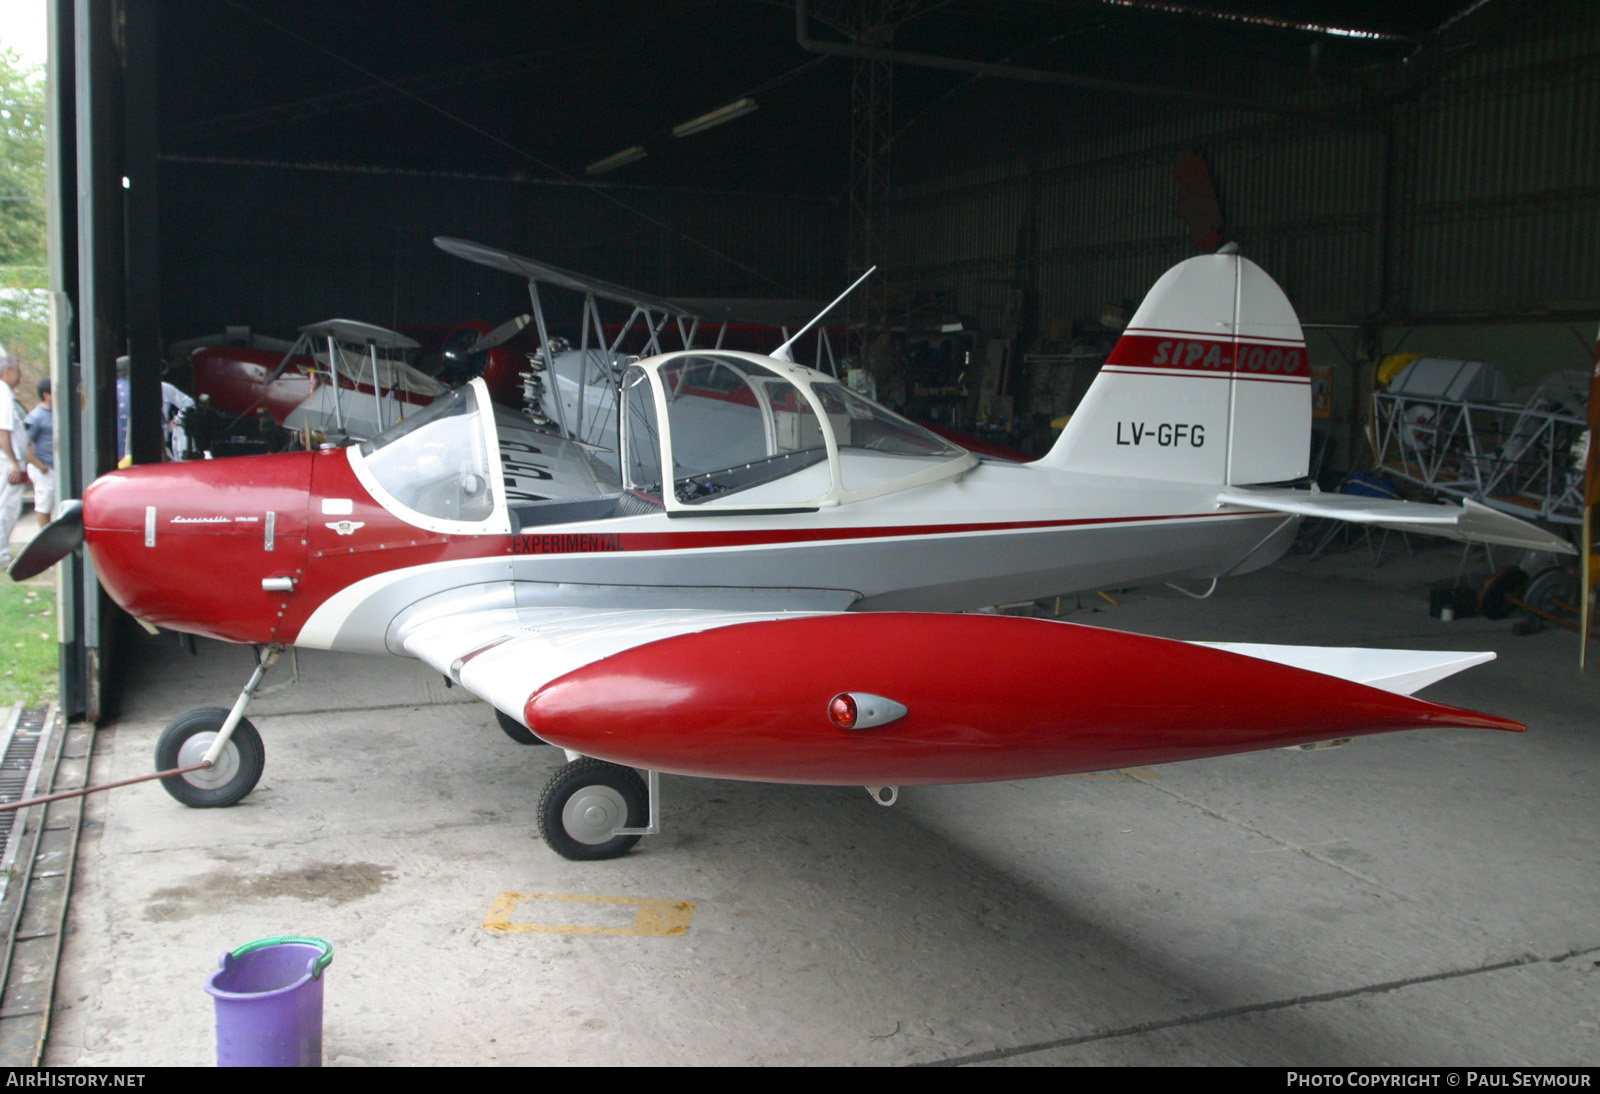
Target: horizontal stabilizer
x=1471, y=522
x=1400, y=672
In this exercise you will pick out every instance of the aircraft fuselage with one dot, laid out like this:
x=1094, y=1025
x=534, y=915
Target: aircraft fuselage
x=293, y=548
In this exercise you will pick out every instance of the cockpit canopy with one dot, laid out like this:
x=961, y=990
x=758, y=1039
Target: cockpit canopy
x=743, y=432
x=738, y=432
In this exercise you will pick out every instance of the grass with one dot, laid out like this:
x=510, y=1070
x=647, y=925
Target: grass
x=28, y=650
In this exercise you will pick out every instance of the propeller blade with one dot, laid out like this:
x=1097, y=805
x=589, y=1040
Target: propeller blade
x=502, y=334
x=55, y=541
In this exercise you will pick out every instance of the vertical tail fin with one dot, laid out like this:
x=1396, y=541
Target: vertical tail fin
x=1209, y=383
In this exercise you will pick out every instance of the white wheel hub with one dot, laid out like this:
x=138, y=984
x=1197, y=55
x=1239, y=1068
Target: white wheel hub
x=593, y=814
x=219, y=774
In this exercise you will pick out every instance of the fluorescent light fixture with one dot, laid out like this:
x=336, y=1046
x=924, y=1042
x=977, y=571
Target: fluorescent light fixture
x=616, y=160
x=736, y=109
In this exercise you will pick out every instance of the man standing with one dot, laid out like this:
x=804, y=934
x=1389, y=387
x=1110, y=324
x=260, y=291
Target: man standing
x=15, y=443
x=40, y=425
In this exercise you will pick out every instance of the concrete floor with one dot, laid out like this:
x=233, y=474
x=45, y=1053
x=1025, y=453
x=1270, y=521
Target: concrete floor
x=1425, y=898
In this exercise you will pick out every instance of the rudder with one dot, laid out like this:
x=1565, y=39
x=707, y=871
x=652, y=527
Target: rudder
x=1209, y=383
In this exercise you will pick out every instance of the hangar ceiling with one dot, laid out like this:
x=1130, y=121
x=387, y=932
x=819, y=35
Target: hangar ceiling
x=546, y=89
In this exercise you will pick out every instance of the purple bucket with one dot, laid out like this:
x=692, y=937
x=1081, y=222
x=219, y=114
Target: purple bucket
x=269, y=1003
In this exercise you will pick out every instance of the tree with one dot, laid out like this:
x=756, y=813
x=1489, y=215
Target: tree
x=24, y=277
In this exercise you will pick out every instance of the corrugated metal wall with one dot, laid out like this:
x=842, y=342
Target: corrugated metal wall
x=276, y=246
x=1501, y=177
x=1487, y=180
x=1299, y=196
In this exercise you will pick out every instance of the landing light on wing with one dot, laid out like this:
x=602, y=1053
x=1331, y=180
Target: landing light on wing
x=861, y=710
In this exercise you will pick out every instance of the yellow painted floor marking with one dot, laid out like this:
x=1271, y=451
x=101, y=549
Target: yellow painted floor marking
x=655, y=918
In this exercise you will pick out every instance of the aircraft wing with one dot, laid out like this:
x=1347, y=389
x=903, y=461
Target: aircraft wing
x=1399, y=672
x=755, y=694
x=497, y=259
x=505, y=655
x=1471, y=522
x=357, y=333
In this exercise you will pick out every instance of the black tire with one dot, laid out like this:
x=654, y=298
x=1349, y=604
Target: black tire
x=516, y=730
x=238, y=768
x=584, y=801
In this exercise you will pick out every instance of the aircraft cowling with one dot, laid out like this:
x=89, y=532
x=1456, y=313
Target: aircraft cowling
x=187, y=546
x=988, y=698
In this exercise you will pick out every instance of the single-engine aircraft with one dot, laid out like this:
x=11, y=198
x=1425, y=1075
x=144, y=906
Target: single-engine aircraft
x=762, y=581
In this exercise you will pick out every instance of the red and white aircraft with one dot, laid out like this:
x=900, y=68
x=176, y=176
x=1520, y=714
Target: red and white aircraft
x=761, y=581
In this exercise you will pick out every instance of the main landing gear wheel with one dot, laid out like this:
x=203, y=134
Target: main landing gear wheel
x=585, y=802
x=516, y=730
x=233, y=776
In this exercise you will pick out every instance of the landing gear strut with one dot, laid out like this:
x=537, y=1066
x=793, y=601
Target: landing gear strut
x=220, y=739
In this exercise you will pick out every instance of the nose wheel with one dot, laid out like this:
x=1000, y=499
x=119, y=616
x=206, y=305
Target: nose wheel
x=223, y=741
x=231, y=776
x=584, y=804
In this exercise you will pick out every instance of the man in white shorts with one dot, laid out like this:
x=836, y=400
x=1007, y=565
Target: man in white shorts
x=14, y=442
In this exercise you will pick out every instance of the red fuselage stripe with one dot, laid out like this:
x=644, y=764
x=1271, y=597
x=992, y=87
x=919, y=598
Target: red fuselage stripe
x=1181, y=375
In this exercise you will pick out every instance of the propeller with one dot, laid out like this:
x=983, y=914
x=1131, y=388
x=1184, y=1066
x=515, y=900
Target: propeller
x=464, y=360
x=502, y=334
x=55, y=541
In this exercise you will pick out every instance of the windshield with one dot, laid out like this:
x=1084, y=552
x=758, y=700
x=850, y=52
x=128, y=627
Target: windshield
x=435, y=462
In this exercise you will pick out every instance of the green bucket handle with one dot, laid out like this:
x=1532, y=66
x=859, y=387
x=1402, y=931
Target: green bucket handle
x=261, y=943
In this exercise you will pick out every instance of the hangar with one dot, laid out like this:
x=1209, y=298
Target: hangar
x=1420, y=180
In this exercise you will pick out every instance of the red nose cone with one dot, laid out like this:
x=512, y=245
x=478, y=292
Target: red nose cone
x=187, y=545
x=842, y=711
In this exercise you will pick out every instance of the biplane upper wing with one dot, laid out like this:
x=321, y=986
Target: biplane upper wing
x=554, y=275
